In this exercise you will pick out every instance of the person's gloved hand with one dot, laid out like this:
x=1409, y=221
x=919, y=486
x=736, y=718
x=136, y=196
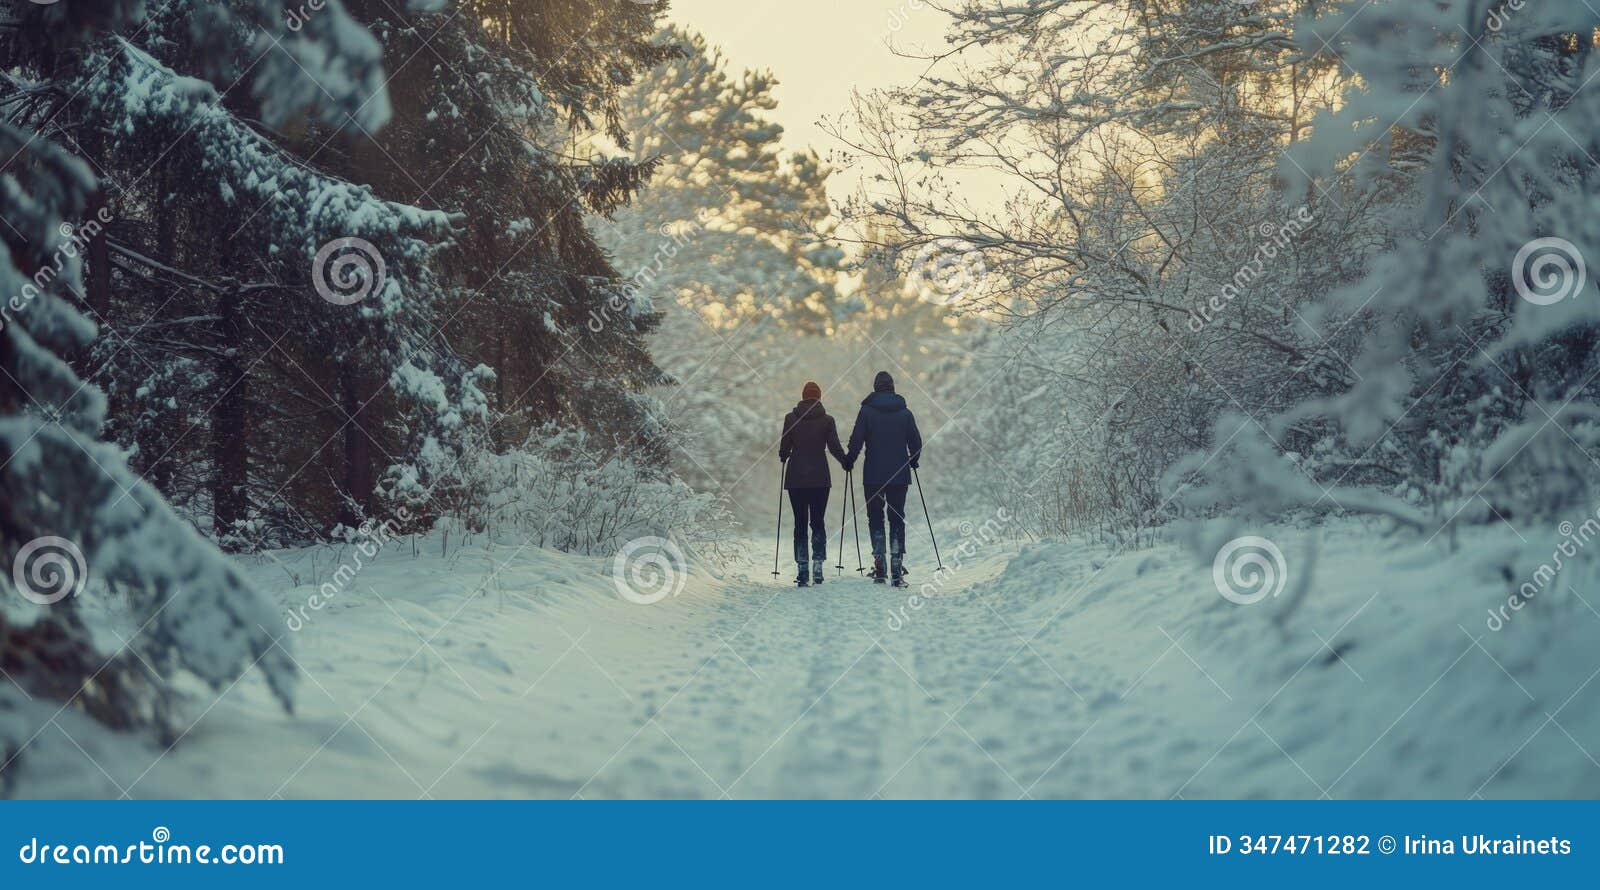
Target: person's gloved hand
x=913, y=463
x=849, y=466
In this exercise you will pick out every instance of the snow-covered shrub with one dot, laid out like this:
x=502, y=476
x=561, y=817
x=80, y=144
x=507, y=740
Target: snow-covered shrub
x=562, y=488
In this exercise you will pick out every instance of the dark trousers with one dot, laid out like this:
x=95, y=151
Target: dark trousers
x=809, y=505
x=894, y=498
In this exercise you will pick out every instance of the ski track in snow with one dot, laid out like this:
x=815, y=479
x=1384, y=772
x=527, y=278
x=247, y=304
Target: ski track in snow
x=1049, y=671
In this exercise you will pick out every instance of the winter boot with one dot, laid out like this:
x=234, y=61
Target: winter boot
x=802, y=576
x=816, y=571
x=878, y=574
x=897, y=569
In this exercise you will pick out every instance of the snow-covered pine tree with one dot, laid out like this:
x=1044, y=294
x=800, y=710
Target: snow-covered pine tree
x=71, y=512
x=489, y=131
x=257, y=315
x=732, y=241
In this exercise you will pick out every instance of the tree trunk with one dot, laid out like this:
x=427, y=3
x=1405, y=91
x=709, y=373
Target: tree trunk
x=230, y=422
x=360, y=477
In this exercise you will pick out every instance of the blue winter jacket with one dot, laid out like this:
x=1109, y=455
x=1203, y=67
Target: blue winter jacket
x=885, y=426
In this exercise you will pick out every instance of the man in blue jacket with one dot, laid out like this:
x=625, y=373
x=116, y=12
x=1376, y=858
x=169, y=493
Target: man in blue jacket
x=884, y=425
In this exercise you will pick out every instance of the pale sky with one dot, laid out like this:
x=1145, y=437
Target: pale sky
x=819, y=50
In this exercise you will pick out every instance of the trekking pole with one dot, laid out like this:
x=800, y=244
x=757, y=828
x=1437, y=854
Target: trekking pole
x=855, y=521
x=927, y=517
x=777, y=540
x=840, y=566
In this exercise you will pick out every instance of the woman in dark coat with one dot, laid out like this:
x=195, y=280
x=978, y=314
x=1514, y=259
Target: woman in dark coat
x=808, y=430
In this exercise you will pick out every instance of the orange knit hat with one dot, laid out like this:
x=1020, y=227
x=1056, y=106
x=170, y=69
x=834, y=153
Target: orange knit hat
x=811, y=391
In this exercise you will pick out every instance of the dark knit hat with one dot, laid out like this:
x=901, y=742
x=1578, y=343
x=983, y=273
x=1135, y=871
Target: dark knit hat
x=811, y=391
x=883, y=382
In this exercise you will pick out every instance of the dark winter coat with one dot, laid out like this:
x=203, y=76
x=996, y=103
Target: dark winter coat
x=807, y=430
x=885, y=426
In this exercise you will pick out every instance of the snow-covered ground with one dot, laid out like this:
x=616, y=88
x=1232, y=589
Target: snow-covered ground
x=1057, y=669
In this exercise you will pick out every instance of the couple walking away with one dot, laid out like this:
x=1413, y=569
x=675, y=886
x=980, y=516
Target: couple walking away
x=885, y=427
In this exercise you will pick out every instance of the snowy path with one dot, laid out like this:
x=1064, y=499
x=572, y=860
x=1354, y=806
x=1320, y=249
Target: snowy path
x=545, y=683
x=1049, y=672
